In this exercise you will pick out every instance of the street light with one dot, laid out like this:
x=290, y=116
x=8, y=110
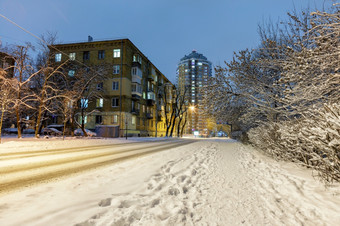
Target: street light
x=192, y=109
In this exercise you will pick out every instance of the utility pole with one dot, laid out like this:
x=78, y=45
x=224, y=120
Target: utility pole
x=126, y=126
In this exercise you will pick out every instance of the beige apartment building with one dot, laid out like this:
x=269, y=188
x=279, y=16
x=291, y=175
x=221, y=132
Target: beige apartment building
x=133, y=87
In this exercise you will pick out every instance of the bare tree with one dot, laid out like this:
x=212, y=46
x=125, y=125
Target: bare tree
x=6, y=95
x=85, y=87
x=169, y=111
x=23, y=73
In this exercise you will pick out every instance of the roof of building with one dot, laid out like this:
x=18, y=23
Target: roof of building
x=194, y=54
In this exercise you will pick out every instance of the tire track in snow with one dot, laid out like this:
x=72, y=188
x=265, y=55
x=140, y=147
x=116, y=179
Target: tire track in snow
x=13, y=177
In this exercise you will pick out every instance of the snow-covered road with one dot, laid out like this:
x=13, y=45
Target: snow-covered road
x=209, y=182
x=25, y=168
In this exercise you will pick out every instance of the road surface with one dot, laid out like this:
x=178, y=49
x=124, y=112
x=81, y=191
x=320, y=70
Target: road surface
x=174, y=182
x=26, y=168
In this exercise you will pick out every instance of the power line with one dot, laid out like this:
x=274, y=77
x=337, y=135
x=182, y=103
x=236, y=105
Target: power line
x=43, y=41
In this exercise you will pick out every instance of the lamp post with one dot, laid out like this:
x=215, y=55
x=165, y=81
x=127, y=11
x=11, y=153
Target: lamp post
x=126, y=126
x=192, y=109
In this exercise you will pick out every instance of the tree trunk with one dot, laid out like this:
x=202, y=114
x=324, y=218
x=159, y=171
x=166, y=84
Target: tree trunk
x=1, y=119
x=182, y=130
x=72, y=125
x=179, y=126
x=83, y=123
x=65, y=120
x=37, y=124
x=18, y=121
x=172, y=126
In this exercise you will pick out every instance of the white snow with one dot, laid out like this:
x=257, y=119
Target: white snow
x=210, y=182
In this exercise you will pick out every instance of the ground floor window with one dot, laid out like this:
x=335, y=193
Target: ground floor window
x=115, y=119
x=99, y=119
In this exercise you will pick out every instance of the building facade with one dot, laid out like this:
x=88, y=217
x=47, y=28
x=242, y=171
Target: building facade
x=132, y=88
x=7, y=62
x=192, y=74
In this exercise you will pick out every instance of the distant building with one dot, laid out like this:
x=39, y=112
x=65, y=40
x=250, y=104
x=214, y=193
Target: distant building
x=133, y=88
x=7, y=62
x=192, y=74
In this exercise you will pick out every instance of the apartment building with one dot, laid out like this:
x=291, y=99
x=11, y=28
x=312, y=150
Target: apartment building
x=192, y=74
x=133, y=87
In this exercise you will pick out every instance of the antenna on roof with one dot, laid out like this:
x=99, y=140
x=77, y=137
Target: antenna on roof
x=90, y=39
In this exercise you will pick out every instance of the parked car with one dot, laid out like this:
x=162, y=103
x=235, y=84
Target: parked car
x=51, y=131
x=10, y=130
x=79, y=132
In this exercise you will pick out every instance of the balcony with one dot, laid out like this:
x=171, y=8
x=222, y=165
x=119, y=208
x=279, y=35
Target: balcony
x=136, y=79
x=150, y=102
x=136, y=64
x=135, y=111
x=151, y=99
x=151, y=77
x=159, y=117
x=149, y=115
x=136, y=96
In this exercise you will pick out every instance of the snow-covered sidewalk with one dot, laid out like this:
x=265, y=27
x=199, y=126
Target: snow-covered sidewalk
x=210, y=182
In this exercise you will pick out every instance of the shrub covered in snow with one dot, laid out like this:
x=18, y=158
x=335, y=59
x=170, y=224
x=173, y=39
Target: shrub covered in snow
x=312, y=141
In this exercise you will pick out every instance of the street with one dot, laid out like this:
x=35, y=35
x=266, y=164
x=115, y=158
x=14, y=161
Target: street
x=23, y=169
x=168, y=182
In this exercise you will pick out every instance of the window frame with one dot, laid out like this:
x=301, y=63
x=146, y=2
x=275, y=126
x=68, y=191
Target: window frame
x=57, y=57
x=72, y=56
x=115, y=85
x=100, y=103
x=116, y=69
x=86, y=55
x=99, y=119
x=116, y=53
x=101, y=54
x=116, y=102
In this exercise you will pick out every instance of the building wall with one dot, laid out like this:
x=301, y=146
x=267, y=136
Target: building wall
x=139, y=121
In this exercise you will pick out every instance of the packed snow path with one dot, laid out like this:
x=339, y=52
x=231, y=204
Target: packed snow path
x=210, y=182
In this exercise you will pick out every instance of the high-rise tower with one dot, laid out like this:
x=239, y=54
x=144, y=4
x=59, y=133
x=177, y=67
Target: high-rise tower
x=192, y=74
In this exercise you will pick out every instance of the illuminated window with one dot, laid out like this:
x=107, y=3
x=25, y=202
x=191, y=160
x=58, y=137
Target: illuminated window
x=99, y=103
x=115, y=119
x=84, y=103
x=137, y=58
x=71, y=73
x=133, y=120
x=116, y=53
x=72, y=56
x=57, y=57
x=81, y=118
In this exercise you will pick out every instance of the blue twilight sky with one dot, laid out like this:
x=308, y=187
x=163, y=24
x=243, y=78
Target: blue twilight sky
x=164, y=30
